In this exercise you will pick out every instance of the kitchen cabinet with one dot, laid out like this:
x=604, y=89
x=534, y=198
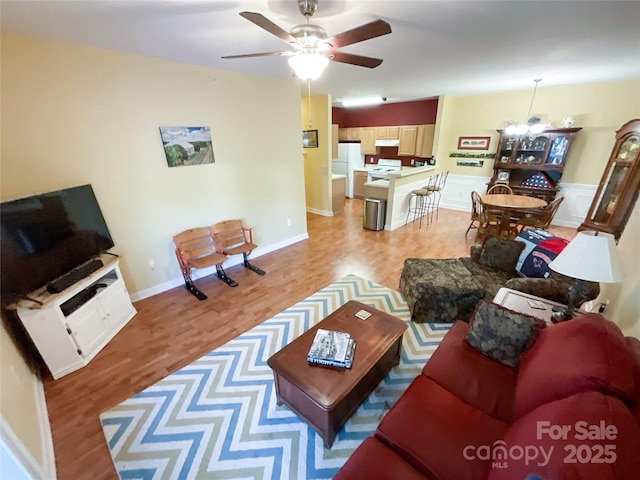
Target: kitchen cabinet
x=408, y=135
x=618, y=189
x=368, y=140
x=334, y=140
x=338, y=191
x=532, y=164
x=354, y=133
x=381, y=133
x=376, y=191
x=359, y=179
x=424, y=140
x=387, y=133
x=413, y=139
x=351, y=134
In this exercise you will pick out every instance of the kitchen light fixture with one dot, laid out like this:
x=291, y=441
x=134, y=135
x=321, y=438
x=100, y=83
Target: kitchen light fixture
x=364, y=101
x=308, y=66
x=590, y=256
x=532, y=126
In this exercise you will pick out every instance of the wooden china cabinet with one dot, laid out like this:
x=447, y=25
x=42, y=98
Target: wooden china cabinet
x=532, y=164
x=619, y=185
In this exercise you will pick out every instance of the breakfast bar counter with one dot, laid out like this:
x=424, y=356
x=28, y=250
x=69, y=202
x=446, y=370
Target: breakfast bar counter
x=401, y=184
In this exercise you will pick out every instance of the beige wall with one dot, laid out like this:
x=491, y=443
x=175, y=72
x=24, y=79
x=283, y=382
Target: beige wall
x=23, y=411
x=624, y=298
x=73, y=115
x=317, y=161
x=599, y=108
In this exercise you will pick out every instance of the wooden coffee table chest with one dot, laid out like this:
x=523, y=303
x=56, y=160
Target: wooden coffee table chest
x=325, y=398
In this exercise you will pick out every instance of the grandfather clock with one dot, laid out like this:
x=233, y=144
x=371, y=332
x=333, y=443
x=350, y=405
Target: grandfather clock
x=619, y=185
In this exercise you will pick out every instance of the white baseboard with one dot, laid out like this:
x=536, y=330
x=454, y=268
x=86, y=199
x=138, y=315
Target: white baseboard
x=235, y=260
x=324, y=213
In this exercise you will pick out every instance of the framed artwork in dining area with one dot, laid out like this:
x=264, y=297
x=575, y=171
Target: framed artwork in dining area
x=473, y=143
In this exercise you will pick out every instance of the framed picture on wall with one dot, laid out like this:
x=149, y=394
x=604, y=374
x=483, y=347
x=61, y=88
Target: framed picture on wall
x=473, y=143
x=184, y=146
x=310, y=138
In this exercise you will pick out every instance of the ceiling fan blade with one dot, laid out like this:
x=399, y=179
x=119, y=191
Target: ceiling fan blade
x=265, y=54
x=364, y=32
x=266, y=24
x=358, y=60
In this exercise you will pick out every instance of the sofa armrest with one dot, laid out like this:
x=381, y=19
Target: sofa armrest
x=555, y=288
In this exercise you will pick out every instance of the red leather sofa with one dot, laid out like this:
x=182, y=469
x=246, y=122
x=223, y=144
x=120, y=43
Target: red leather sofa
x=570, y=411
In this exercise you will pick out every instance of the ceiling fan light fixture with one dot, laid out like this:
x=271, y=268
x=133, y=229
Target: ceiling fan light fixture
x=308, y=66
x=364, y=101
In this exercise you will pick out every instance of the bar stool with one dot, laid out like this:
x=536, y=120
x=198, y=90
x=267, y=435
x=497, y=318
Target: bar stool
x=419, y=202
x=436, y=186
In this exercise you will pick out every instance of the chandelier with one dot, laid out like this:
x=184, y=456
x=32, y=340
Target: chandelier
x=532, y=126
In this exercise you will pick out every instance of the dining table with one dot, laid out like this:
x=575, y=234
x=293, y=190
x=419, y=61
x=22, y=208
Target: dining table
x=508, y=204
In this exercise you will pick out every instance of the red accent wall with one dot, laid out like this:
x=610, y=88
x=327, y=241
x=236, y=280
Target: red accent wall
x=419, y=112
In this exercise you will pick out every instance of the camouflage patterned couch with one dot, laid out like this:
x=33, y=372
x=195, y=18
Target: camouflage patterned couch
x=445, y=290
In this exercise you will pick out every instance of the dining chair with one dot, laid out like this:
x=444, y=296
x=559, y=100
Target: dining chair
x=476, y=212
x=539, y=218
x=500, y=188
x=487, y=218
x=492, y=219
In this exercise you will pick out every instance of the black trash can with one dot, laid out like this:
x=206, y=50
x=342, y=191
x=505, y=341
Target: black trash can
x=374, y=213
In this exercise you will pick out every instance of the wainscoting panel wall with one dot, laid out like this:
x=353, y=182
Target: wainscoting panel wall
x=578, y=197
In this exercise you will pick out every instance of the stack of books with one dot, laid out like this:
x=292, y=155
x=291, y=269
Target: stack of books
x=331, y=349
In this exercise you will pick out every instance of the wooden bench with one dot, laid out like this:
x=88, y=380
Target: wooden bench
x=205, y=247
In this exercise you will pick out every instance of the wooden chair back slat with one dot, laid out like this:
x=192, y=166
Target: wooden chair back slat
x=194, y=243
x=500, y=189
x=230, y=234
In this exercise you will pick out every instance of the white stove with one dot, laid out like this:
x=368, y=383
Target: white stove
x=385, y=165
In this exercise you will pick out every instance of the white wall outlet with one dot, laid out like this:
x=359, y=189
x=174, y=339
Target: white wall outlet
x=288, y=222
x=413, y=161
x=370, y=159
x=152, y=263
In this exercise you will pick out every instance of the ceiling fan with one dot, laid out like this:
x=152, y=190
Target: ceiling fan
x=312, y=50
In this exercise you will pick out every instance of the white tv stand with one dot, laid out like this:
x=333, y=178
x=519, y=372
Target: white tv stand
x=69, y=342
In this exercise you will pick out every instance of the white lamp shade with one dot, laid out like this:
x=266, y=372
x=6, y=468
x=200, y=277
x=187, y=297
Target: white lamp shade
x=308, y=66
x=590, y=256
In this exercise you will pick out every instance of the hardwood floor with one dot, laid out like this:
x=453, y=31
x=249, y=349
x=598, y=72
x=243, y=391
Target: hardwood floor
x=173, y=329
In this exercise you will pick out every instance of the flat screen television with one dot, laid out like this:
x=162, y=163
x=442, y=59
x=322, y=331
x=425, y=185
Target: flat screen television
x=46, y=236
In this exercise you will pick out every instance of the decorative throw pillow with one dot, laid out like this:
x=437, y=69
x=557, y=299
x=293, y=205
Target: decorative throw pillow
x=502, y=334
x=500, y=253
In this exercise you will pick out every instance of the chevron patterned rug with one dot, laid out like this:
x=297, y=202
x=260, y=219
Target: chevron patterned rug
x=217, y=418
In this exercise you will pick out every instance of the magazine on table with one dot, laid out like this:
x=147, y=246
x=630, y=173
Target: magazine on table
x=331, y=348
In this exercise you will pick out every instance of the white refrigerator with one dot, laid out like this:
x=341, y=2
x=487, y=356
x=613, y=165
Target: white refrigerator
x=349, y=159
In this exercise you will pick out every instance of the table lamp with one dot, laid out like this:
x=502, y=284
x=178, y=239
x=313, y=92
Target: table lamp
x=590, y=256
